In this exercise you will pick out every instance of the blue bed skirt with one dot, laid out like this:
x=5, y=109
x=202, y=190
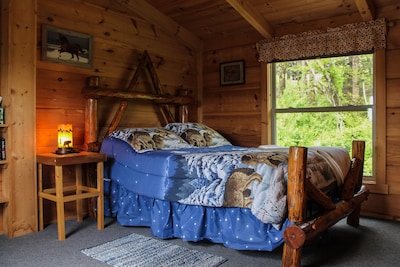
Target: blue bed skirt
x=235, y=228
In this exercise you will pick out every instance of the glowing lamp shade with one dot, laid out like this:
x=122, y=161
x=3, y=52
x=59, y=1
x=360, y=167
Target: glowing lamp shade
x=65, y=139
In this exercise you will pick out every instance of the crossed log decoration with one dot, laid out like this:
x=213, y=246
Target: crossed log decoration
x=93, y=92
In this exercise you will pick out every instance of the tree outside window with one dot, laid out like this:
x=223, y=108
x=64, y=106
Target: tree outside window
x=324, y=102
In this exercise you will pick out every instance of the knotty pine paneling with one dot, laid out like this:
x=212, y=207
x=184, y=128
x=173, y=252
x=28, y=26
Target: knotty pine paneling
x=393, y=148
x=393, y=122
x=393, y=93
x=235, y=110
x=392, y=64
x=118, y=43
x=382, y=206
x=393, y=35
x=236, y=40
x=393, y=172
x=60, y=89
x=239, y=128
x=117, y=38
x=244, y=100
x=213, y=58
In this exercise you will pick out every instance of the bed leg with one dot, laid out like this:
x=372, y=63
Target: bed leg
x=296, y=199
x=291, y=256
x=354, y=218
x=358, y=149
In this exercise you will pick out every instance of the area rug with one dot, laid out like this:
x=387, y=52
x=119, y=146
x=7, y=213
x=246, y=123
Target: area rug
x=137, y=250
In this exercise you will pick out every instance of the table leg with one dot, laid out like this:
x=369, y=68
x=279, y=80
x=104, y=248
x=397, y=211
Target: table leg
x=78, y=175
x=100, y=199
x=40, y=199
x=60, y=202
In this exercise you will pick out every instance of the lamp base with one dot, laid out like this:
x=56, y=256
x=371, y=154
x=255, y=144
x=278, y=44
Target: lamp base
x=63, y=151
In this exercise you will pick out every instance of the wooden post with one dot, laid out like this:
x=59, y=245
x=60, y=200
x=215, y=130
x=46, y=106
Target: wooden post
x=91, y=128
x=296, y=198
x=357, y=150
x=19, y=48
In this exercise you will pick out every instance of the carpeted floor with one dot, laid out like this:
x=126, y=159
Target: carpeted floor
x=374, y=243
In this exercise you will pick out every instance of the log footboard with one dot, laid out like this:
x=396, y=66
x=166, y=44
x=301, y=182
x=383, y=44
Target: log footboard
x=300, y=190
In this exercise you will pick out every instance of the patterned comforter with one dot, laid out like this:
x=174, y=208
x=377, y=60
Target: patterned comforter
x=224, y=176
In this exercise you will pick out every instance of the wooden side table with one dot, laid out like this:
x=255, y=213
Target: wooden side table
x=77, y=191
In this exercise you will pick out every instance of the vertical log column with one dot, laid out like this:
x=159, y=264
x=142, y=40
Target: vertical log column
x=18, y=89
x=91, y=123
x=296, y=198
x=357, y=151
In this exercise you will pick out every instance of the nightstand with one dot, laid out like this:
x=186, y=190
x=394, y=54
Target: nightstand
x=75, y=192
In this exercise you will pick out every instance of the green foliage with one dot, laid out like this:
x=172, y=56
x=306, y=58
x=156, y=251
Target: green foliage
x=325, y=84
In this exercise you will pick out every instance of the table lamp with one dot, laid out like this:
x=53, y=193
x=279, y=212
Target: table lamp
x=65, y=139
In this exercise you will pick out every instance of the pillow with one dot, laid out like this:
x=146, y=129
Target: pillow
x=145, y=139
x=198, y=134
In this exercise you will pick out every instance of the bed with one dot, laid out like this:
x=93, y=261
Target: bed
x=184, y=180
x=223, y=193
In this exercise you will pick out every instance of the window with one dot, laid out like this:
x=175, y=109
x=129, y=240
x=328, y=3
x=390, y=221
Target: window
x=325, y=101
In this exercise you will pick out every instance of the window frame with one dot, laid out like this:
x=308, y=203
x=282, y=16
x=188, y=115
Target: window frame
x=377, y=182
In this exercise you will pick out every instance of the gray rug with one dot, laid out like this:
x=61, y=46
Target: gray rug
x=138, y=250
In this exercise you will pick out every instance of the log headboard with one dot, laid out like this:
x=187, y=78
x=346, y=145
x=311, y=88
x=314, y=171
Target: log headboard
x=92, y=92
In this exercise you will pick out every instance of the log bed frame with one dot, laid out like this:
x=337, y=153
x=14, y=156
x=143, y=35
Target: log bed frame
x=299, y=190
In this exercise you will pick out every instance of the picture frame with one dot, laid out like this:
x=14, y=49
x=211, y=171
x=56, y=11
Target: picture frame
x=66, y=47
x=232, y=73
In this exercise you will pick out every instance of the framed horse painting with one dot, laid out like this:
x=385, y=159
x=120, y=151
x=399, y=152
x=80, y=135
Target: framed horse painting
x=66, y=47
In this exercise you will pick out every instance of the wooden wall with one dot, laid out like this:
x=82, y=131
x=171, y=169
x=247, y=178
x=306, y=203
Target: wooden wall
x=18, y=36
x=385, y=198
x=118, y=43
x=235, y=110
x=238, y=111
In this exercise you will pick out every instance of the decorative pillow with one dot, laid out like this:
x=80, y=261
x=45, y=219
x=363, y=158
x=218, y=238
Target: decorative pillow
x=198, y=134
x=145, y=139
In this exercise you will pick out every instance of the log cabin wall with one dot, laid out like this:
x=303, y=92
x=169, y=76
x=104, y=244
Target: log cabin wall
x=118, y=43
x=234, y=110
x=383, y=202
x=18, y=214
x=237, y=111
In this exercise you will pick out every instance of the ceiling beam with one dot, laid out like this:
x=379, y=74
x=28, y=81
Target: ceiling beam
x=366, y=9
x=253, y=17
x=169, y=26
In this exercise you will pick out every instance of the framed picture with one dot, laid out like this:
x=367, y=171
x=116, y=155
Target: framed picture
x=232, y=73
x=66, y=47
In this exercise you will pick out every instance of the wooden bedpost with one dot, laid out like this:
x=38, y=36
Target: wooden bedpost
x=91, y=133
x=296, y=199
x=357, y=150
x=300, y=189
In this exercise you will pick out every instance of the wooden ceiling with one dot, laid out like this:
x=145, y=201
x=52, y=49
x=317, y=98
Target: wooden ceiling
x=201, y=20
